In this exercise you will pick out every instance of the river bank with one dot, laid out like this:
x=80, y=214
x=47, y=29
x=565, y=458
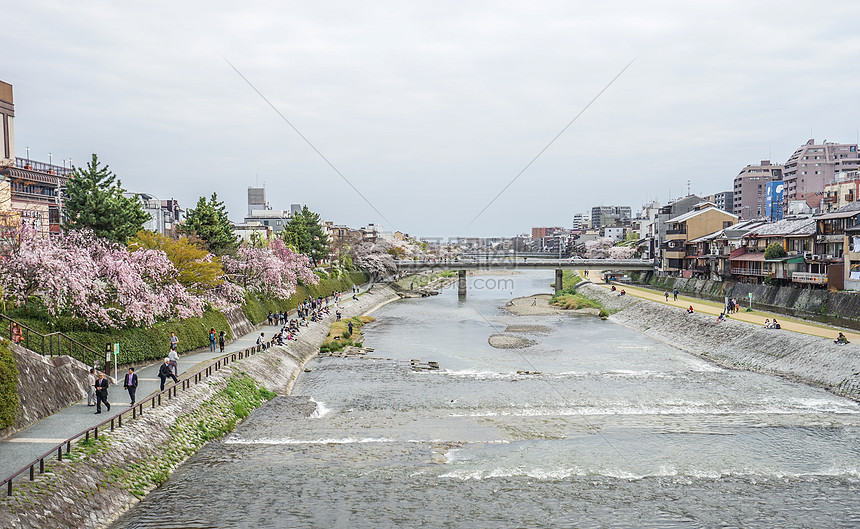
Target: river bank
x=739, y=345
x=102, y=479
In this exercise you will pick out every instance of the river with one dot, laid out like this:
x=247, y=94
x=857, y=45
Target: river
x=615, y=430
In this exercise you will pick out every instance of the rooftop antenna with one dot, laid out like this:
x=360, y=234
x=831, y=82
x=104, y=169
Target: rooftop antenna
x=688, y=188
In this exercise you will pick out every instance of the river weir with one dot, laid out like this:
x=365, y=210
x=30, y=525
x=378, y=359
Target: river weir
x=589, y=424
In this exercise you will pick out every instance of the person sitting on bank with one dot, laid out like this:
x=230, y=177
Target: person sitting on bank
x=775, y=324
x=690, y=310
x=767, y=324
x=721, y=318
x=613, y=289
x=841, y=339
x=622, y=292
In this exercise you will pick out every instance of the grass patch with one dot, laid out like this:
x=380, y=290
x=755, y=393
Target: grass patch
x=574, y=301
x=339, y=336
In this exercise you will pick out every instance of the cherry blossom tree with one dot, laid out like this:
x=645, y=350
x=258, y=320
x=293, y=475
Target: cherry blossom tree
x=621, y=252
x=273, y=270
x=80, y=275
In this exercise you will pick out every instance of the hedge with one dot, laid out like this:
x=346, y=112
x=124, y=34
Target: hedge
x=257, y=308
x=139, y=344
x=8, y=386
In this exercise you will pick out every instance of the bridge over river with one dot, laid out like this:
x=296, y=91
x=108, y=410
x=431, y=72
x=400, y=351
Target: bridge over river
x=520, y=263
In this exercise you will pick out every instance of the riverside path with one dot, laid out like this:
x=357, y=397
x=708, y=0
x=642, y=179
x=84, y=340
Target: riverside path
x=756, y=317
x=30, y=443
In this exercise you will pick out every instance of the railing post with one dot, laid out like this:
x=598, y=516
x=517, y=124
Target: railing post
x=42, y=466
x=96, y=432
x=60, y=453
x=9, y=488
x=32, y=472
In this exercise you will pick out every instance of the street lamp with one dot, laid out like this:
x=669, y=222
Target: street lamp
x=28, y=155
x=50, y=159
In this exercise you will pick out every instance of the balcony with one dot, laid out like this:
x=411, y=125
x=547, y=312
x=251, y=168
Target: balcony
x=738, y=271
x=42, y=167
x=809, y=278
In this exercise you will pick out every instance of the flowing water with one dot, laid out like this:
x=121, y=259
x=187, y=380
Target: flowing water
x=615, y=430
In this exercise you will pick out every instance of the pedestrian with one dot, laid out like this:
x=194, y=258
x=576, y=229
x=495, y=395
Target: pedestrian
x=675, y=294
x=165, y=371
x=91, y=387
x=666, y=293
x=350, y=327
x=173, y=359
x=16, y=334
x=212, y=336
x=174, y=341
x=101, y=386
x=337, y=314
x=261, y=340
x=130, y=384
x=221, y=338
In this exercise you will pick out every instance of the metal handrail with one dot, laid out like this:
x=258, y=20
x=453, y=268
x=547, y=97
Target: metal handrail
x=51, y=344
x=194, y=376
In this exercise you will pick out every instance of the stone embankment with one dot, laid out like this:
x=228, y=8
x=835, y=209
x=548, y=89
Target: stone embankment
x=45, y=385
x=837, y=307
x=102, y=479
x=740, y=345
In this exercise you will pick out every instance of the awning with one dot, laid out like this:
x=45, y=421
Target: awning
x=749, y=257
x=838, y=215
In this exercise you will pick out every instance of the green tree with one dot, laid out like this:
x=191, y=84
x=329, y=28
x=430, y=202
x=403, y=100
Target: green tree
x=94, y=199
x=209, y=223
x=305, y=235
x=774, y=250
x=197, y=271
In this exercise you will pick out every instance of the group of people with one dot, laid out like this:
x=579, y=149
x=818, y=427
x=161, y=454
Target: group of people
x=772, y=324
x=313, y=309
x=732, y=306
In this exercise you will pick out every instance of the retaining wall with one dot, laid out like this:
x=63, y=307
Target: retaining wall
x=838, y=307
x=740, y=345
x=45, y=385
x=102, y=481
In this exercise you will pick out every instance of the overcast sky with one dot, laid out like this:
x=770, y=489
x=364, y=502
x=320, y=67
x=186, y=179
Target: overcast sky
x=430, y=109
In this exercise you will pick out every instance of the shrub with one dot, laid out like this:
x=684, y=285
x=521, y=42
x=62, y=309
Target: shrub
x=9, y=403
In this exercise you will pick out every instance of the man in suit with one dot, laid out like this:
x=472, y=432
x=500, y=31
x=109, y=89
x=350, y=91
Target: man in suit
x=164, y=372
x=102, y=393
x=130, y=384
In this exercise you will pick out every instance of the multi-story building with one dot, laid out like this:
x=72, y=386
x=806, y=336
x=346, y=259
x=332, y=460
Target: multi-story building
x=7, y=129
x=680, y=252
x=164, y=215
x=257, y=200
x=35, y=193
x=581, y=221
x=813, y=165
x=670, y=210
x=844, y=190
x=612, y=216
x=723, y=200
x=750, y=187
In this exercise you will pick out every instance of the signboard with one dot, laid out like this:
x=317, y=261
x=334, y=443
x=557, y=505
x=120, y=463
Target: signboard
x=773, y=200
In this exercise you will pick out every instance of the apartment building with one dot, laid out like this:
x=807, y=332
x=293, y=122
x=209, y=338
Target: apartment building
x=750, y=188
x=814, y=165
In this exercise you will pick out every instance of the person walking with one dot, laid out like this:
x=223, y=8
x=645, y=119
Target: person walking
x=91, y=387
x=173, y=361
x=350, y=327
x=674, y=294
x=165, y=372
x=212, y=336
x=666, y=293
x=174, y=341
x=130, y=384
x=101, y=386
x=222, y=337
x=16, y=334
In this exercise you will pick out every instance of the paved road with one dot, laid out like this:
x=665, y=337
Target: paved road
x=755, y=317
x=28, y=444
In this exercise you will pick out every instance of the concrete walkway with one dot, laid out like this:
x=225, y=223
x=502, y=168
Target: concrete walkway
x=709, y=307
x=32, y=442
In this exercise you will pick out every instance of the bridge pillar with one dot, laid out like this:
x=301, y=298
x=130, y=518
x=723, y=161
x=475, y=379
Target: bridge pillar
x=461, y=275
x=559, y=281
